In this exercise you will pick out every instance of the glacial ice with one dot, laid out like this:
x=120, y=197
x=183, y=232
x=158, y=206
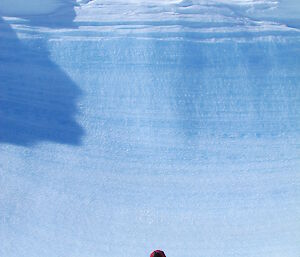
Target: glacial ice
x=128, y=126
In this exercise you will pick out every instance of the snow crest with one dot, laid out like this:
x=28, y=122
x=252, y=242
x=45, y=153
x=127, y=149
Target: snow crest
x=202, y=20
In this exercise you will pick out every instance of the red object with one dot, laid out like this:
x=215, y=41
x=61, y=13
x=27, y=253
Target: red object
x=157, y=253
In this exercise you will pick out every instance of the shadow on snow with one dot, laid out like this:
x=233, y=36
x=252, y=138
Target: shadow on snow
x=37, y=99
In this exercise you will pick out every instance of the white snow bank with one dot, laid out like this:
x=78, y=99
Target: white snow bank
x=260, y=9
x=284, y=9
x=30, y=7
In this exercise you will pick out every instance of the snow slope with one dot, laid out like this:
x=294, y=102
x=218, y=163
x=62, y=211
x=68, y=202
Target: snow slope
x=127, y=126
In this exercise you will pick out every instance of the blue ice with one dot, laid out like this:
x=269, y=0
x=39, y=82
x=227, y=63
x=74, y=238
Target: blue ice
x=129, y=126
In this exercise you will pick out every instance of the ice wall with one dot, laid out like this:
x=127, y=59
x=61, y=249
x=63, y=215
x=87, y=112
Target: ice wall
x=127, y=126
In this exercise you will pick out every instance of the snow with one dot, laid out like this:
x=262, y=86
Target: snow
x=32, y=7
x=129, y=126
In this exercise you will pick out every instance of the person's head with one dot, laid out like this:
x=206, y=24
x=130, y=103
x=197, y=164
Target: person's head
x=157, y=253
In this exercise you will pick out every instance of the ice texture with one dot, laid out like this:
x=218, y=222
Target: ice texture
x=129, y=126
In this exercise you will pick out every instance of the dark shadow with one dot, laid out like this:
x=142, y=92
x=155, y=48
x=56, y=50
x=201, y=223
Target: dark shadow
x=37, y=99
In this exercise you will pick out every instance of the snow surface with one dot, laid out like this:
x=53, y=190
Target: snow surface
x=31, y=7
x=128, y=126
